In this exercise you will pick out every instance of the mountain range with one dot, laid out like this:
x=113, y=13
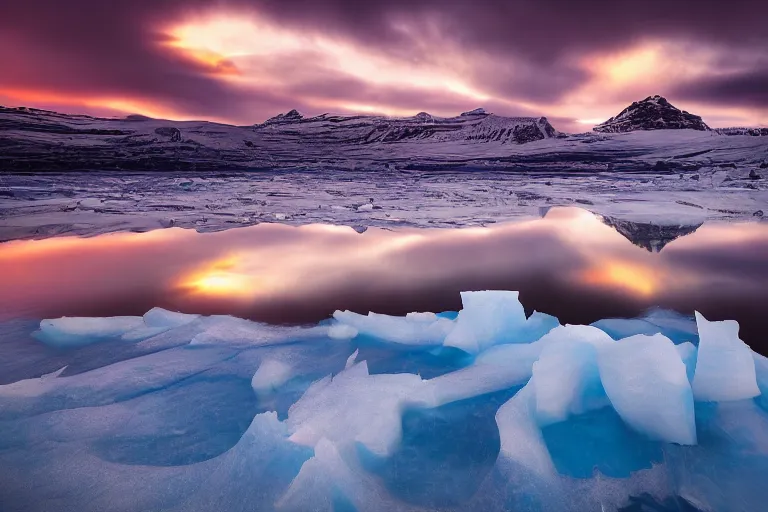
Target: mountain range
x=648, y=135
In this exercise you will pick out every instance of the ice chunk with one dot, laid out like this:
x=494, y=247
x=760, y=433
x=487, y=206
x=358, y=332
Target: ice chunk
x=566, y=381
x=55, y=374
x=351, y=359
x=271, y=375
x=576, y=333
x=687, y=353
x=76, y=331
x=498, y=368
x=341, y=332
x=352, y=407
x=158, y=317
x=521, y=439
x=333, y=481
x=158, y=321
x=761, y=370
x=536, y=326
x=725, y=369
x=646, y=381
x=312, y=489
x=410, y=330
x=487, y=318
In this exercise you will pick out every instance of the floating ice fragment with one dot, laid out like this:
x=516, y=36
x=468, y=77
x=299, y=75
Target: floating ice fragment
x=78, y=331
x=566, y=381
x=351, y=359
x=271, y=375
x=725, y=369
x=577, y=333
x=646, y=382
x=341, y=332
x=352, y=407
x=410, y=330
x=521, y=441
x=334, y=481
x=158, y=317
x=55, y=374
x=487, y=318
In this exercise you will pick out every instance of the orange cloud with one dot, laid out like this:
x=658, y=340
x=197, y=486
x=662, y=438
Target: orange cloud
x=103, y=104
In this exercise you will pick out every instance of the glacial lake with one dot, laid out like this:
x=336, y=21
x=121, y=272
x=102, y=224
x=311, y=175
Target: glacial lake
x=568, y=264
x=303, y=408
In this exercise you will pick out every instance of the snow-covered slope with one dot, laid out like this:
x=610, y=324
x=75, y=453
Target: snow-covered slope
x=477, y=126
x=39, y=141
x=652, y=113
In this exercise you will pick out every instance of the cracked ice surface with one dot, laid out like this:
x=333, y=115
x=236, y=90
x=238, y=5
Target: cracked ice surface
x=44, y=205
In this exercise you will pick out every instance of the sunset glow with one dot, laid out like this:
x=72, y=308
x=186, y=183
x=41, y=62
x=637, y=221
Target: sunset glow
x=242, y=62
x=634, y=278
x=220, y=279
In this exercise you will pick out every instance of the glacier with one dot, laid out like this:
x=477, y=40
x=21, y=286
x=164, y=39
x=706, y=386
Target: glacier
x=488, y=408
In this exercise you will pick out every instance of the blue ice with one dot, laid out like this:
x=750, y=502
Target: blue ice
x=481, y=409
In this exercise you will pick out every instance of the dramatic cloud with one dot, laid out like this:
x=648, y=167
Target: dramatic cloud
x=242, y=61
x=749, y=89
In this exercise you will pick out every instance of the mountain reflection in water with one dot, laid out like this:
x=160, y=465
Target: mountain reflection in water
x=569, y=264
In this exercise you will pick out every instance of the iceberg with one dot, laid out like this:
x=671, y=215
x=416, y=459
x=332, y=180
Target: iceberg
x=647, y=384
x=725, y=368
x=486, y=318
x=270, y=375
x=566, y=381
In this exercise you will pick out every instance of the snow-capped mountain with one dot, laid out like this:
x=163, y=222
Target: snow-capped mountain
x=35, y=139
x=476, y=125
x=39, y=141
x=652, y=237
x=652, y=113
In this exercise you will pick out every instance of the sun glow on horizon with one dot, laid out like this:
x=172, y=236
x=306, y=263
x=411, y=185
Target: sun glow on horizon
x=635, y=278
x=220, y=279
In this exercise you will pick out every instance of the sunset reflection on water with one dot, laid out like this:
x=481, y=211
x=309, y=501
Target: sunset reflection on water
x=568, y=264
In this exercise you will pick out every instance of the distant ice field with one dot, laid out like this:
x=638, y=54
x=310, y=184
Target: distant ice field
x=43, y=205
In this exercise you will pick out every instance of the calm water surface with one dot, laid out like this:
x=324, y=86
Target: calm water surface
x=568, y=264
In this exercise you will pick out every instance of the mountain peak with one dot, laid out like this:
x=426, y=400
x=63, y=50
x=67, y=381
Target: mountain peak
x=652, y=113
x=476, y=112
x=651, y=237
x=289, y=117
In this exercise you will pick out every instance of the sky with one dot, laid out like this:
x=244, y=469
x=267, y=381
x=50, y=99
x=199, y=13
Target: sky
x=243, y=61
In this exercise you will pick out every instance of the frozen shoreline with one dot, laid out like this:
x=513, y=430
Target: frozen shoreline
x=36, y=206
